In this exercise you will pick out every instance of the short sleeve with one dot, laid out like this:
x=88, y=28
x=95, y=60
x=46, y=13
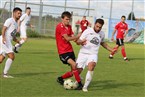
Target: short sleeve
x=7, y=23
x=84, y=35
x=22, y=17
x=117, y=26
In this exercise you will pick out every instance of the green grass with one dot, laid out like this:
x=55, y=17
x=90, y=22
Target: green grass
x=37, y=66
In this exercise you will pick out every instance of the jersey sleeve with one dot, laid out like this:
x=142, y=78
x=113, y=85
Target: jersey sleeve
x=126, y=27
x=22, y=17
x=7, y=23
x=103, y=37
x=84, y=35
x=117, y=26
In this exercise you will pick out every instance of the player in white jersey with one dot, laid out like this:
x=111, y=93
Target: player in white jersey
x=8, y=34
x=23, y=23
x=88, y=54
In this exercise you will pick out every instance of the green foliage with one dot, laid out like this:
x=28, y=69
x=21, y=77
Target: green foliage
x=32, y=33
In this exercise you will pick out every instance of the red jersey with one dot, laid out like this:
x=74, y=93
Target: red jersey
x=121, y=28
x=84, y=24
x=63, y=46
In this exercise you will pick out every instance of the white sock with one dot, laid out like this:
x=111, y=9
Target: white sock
x=7, y=65
x=88, y=79
x=19, y=45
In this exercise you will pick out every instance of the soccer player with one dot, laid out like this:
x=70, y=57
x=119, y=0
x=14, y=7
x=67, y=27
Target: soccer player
x=122, y=30
x=23, y=23
x=64, y=35
x=8, y=34
x=88, y=54
x=84, y=24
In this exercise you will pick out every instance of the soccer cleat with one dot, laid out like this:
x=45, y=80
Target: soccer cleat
x=60, y=80
x=85, y=89
x=126, y=59
x=80, y=86
x=7, y=76
x=15, y=50
x=110, y=57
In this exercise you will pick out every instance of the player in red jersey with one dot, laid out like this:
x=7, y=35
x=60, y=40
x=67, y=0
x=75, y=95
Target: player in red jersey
x=122, y=31
x=84, y=24
x=64, y=35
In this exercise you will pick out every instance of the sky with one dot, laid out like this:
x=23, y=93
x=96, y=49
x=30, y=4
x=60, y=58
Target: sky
x=101, y=7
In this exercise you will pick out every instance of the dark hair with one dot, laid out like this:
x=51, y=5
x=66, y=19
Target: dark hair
x=100, y=21
x=17, y=9
x=123, y=17
x=28, y=8
x=66, y=14
x=84, y=16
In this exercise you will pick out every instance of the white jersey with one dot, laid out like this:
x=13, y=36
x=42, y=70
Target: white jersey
x=12, y=26
x=25, y=20
x=10, y=33
x=93, y=41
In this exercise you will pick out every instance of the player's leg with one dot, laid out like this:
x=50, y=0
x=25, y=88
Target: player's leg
x=124, y=53
x=91, y=63
x=8, y=64
x=1, y=58
x=89, y=75
x=75, y=73
x=23, y=36
x=115, y=48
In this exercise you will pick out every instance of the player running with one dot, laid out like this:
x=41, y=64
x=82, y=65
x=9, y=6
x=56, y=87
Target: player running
x=8, y=34
x=64, y=35
x=23, y=23
x=88, y=54
x=122, y=31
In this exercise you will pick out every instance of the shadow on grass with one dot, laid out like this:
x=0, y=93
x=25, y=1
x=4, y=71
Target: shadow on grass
x=110, y=84
x=33, y=74
x=137, y=58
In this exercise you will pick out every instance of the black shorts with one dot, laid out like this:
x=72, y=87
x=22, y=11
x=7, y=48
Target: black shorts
x=119, y=42
x=64, y=57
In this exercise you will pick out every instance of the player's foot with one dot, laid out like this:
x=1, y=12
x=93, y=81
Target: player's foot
x=15, y=50
x=7, y=76
x=85, y=89
x=60, y=80
x=126, y=59
x=110, y=57
x=80, y=86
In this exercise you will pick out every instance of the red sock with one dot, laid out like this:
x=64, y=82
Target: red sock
x=76, y=74
x=123, y=52
x=115, y=48
x=67, y=75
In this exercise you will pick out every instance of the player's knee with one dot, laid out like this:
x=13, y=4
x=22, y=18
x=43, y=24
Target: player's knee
x=1, y=61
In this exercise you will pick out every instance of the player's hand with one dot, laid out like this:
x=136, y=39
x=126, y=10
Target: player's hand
x=4, y=40
x=112, y=39
x=18, y=30
x=84, y=42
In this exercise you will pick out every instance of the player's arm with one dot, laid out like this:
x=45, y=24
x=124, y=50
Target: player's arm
x=81, y=42
x=19, y=23
x=70, y=38
x=106, y=46
x=16, y=40
x=113, y=33
x=3, y=34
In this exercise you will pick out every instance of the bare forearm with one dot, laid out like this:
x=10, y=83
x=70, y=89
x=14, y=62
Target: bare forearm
x=106, y=46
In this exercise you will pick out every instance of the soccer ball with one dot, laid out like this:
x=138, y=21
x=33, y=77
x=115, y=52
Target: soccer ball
x=75, y=85
x=69, y=84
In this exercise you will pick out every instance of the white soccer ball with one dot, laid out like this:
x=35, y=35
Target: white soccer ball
x=68, y=84
x=75, y=85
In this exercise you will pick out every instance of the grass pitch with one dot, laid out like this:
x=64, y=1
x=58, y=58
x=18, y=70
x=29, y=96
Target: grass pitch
x=37, y=66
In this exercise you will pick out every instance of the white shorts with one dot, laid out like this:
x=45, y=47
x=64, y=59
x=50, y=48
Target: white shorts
x=5, y=48
x=23, y=33
x=84, y=59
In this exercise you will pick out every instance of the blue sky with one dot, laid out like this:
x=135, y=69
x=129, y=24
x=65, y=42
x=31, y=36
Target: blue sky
x=102, y=7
